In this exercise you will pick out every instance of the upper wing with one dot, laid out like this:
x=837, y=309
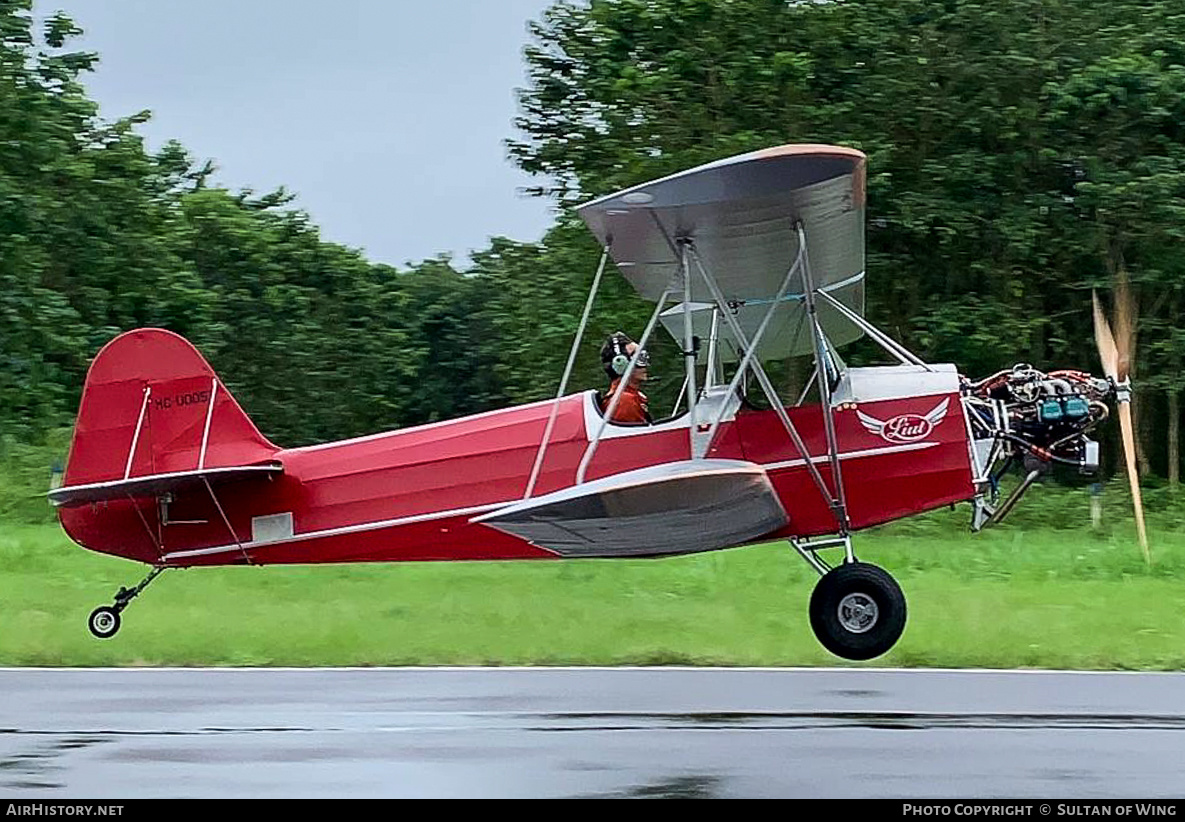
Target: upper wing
x=741, y=213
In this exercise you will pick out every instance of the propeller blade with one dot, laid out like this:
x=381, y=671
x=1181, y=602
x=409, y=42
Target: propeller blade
x=1129, y=453
x=1108, y=351
x=1125, y=324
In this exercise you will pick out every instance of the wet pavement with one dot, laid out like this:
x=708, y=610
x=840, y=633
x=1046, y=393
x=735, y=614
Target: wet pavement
x=650, y=732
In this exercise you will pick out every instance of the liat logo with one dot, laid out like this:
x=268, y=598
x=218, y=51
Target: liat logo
x=905, y=427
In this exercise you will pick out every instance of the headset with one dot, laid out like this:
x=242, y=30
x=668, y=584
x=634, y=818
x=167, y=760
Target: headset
x=614, y=357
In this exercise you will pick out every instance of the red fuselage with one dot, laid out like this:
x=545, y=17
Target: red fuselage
x=410, y=494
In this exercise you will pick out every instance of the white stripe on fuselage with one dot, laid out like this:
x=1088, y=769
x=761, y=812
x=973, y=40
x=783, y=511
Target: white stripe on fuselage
x=345, y=529
x=850, y=455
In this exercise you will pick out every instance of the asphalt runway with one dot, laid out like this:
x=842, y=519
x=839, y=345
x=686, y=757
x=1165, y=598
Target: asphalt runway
x=534, y=732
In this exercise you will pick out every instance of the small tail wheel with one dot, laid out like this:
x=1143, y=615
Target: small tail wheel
x=104, y=622
x=857, y=611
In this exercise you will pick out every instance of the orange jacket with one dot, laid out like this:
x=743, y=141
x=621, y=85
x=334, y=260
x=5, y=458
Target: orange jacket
x=632, y=407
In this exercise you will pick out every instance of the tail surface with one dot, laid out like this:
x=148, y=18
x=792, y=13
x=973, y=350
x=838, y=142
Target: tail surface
x=152, y=405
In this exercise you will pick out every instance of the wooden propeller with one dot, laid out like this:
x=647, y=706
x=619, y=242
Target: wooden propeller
x=1116, y=355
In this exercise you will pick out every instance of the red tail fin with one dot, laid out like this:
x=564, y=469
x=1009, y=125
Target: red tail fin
x=153, y=405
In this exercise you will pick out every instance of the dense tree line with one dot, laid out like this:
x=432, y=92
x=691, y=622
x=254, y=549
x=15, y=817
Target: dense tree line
x=1019, y=155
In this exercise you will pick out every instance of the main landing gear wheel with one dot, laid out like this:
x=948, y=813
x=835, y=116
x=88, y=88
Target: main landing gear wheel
x=104, y=622
x=857, y=611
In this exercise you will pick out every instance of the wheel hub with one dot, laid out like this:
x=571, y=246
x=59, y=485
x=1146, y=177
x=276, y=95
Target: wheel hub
x=858, y=612
x=104, y=622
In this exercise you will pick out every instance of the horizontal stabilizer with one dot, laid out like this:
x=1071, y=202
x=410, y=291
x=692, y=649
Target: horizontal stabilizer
x=676, y=508
x=153, y=485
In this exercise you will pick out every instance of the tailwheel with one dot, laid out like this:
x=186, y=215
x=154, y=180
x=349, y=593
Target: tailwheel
x=857, y=611
x=104, y=622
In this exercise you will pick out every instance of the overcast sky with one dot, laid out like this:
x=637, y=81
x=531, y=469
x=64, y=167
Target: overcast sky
x=386, y=117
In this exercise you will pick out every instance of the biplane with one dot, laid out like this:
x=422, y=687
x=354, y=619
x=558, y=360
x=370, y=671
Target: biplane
x=753, y=258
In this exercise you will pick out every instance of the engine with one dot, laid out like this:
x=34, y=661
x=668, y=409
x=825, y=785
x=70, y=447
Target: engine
x=1034, y=419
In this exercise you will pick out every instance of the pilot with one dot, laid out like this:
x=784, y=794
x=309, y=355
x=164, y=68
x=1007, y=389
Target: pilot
x=615, y=358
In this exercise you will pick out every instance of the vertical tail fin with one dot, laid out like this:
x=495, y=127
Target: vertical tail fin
x=153, y=405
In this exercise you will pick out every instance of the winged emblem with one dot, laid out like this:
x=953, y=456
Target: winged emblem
x=905, y=427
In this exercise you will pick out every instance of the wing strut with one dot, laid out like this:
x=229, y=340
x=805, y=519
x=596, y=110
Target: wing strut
x=688, y=349
x=886, y=342
x=836, y=504
x=710, y=376
x=749, y=346
x=839, y=503
x=555, y=406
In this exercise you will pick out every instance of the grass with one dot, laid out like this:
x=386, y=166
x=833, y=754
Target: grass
x=1021, y=595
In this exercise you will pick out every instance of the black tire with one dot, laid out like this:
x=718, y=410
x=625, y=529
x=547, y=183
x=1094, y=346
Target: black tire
x=104, y=622
x=857, y=611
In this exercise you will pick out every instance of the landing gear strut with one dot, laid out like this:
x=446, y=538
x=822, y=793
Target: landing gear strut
x=104, y=621
x=857, y=610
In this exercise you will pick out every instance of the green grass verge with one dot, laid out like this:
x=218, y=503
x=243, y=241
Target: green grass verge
x=1017, y=596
